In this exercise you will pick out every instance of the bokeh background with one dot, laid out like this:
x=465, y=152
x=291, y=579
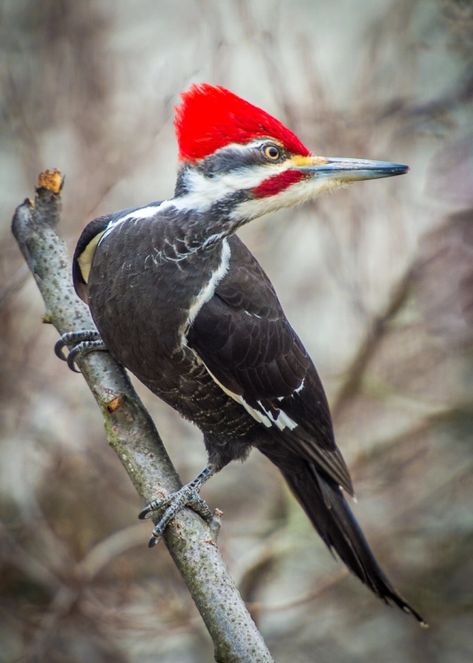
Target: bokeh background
x=377, y=279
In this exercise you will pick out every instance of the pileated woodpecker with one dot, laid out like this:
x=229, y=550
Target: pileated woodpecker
x=181, y=302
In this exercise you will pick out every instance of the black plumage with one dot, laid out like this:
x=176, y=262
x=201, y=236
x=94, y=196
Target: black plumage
x=241, y=340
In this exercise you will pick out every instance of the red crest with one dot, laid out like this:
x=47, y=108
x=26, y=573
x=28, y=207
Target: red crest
x=210, y=117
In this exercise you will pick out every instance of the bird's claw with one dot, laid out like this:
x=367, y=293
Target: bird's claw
x=80, y=343
x=172, y=504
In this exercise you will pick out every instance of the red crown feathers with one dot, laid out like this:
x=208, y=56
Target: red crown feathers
x=210, y=117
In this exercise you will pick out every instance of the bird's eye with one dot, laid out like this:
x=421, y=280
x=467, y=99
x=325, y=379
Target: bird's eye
x=272, y=152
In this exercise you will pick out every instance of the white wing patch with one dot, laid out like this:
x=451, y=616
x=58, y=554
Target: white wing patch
x=281, y=420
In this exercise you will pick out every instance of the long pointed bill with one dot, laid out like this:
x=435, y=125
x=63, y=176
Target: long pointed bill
x=347, y=170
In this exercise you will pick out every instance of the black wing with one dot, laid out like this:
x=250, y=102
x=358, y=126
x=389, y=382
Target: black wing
x=243, y=338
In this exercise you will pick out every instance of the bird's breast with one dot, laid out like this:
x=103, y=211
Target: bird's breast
x=143, y=304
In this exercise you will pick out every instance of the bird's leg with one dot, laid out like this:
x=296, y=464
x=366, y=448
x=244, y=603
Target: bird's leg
x=81, y=342
x=188, y=495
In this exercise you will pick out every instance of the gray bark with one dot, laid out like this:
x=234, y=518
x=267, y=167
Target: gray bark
x=132, y=434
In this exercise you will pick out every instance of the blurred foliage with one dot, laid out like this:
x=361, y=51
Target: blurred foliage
x=377, y=279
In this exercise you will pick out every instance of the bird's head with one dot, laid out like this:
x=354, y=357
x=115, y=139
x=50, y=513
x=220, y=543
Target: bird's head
x=239, y=157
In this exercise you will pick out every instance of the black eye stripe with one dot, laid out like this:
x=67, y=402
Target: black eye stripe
x=230, y=159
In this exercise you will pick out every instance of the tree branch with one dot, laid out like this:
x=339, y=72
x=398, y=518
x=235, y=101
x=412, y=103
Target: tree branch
x=132, y=434
x=374, y=335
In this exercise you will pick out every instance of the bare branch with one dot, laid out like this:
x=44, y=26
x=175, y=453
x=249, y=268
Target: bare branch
x=369, y=345
x=132, y=434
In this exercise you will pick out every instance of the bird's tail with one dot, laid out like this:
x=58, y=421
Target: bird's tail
x=333, y=519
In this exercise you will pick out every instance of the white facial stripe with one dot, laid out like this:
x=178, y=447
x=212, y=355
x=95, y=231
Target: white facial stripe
x=143, y=213
x=294, y=195
x=205, y=192
x=207, y=292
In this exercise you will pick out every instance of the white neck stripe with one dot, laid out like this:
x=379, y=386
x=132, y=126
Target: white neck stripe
x=208, y=290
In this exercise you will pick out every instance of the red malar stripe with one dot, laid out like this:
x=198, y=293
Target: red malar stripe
x=277, y=183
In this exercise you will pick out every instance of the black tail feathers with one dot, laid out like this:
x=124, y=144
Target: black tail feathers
x=333, y=519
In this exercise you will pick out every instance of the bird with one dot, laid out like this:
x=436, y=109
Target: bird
x=180, y=301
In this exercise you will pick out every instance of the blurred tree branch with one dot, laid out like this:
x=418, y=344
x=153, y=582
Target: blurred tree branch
x=132, y=434
x=370, y=343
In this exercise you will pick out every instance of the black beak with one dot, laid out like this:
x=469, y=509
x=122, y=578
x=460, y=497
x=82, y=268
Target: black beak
x=351, y=170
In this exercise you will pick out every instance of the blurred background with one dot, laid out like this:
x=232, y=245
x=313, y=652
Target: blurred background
x=377, y=279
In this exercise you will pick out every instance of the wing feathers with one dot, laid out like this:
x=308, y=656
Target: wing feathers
x=251, y=351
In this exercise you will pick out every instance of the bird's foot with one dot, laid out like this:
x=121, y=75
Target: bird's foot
x=172, y=504
x=80, y=344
